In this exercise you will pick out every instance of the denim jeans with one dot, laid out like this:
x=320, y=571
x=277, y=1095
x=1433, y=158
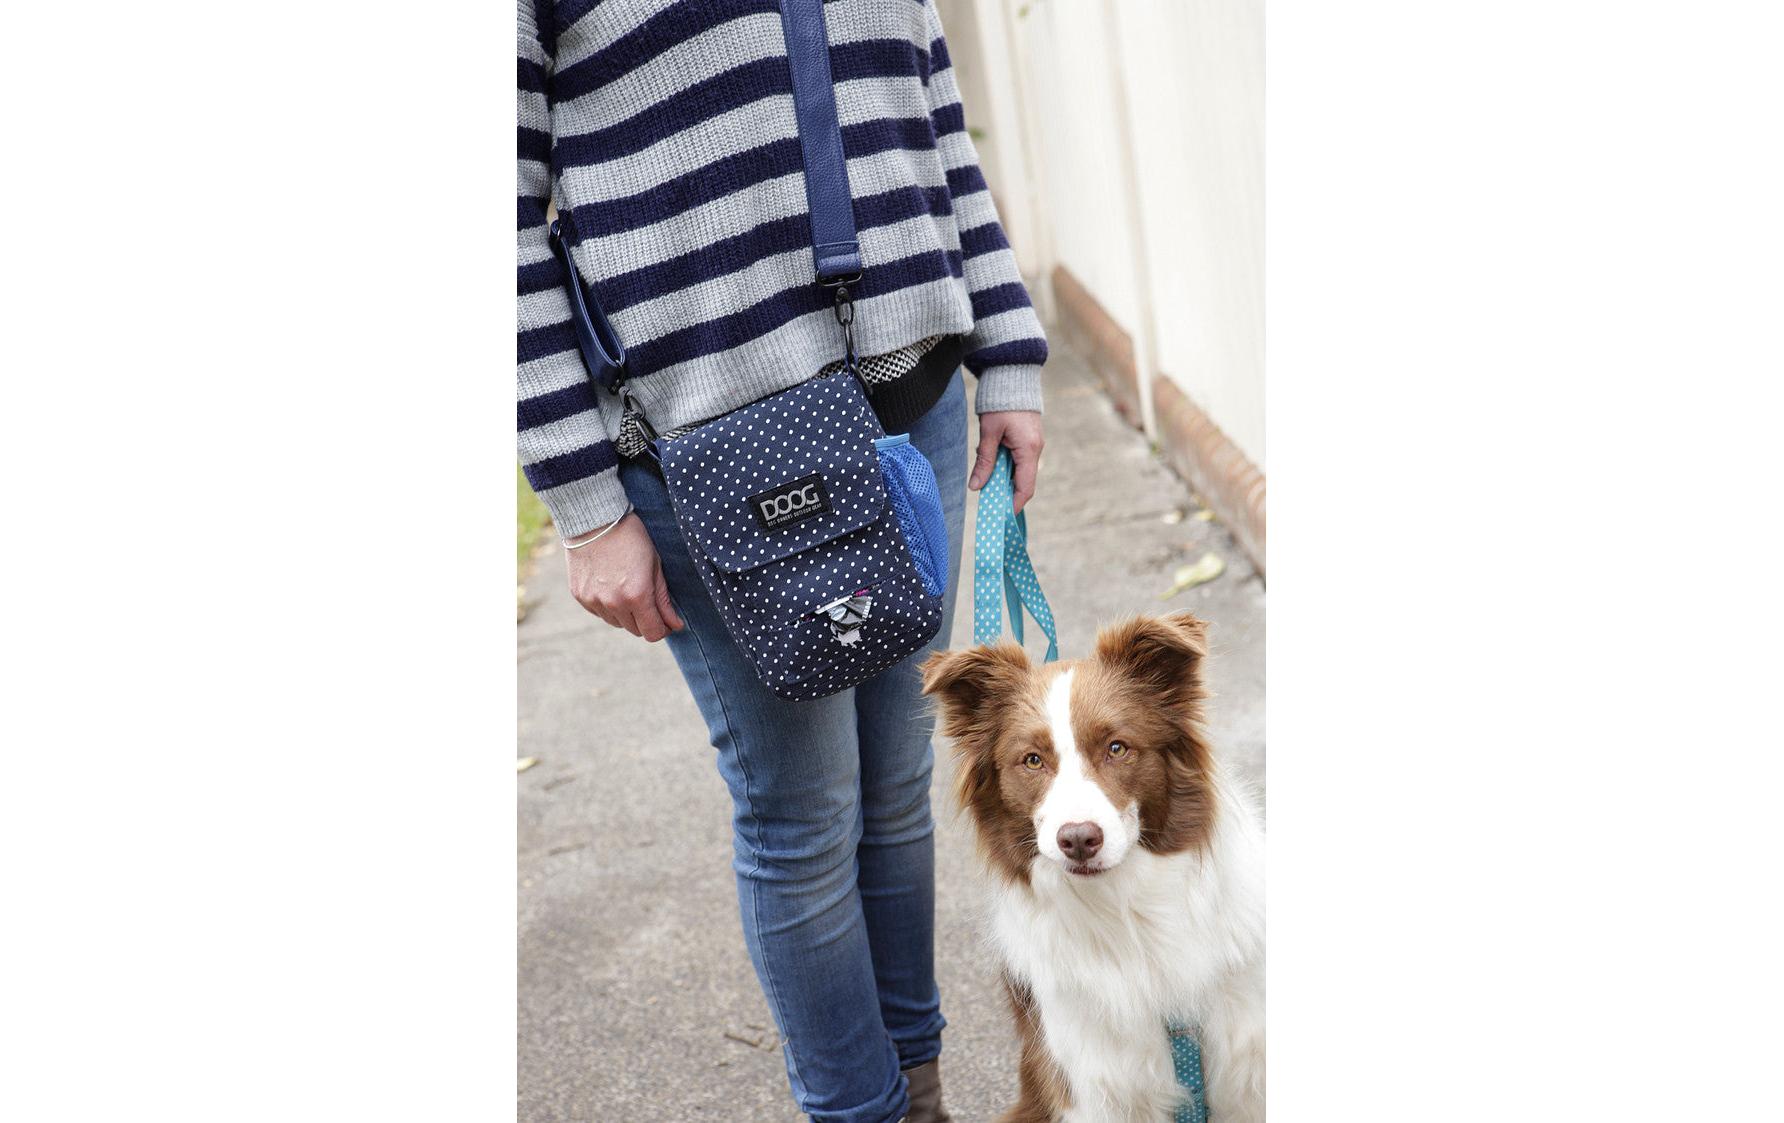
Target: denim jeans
x=834, y=844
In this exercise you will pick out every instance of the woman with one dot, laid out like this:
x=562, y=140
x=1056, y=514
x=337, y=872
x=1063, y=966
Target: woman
x=667, y=133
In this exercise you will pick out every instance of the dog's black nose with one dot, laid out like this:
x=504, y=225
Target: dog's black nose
x=1080, y=841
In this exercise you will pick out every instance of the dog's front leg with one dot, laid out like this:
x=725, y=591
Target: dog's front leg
x=1233, y=1059
x=1043, y=1096
x=1114, y=1067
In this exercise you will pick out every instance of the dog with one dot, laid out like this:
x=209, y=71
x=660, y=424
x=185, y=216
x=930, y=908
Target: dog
x=1127, y=887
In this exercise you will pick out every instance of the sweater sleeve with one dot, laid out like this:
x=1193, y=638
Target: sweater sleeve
x=565, y=449
x=1006, y=346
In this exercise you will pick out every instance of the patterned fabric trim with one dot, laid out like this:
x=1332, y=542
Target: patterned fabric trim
x=875, y=370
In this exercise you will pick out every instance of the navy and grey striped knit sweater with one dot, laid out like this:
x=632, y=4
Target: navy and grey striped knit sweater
x=666, y=128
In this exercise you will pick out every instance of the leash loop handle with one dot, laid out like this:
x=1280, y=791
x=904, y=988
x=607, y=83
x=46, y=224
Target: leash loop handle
x=1001, y=566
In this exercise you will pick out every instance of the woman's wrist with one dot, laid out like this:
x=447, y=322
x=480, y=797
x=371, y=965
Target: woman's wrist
x=584, y=539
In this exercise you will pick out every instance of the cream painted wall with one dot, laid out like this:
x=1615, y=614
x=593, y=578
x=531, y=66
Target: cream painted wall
x=1124, y=139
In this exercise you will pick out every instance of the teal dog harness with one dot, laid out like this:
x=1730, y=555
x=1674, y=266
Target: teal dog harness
x=1186, y=1058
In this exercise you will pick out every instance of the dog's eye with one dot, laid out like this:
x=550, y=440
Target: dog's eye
x=1117, y=748
x=1032, y=760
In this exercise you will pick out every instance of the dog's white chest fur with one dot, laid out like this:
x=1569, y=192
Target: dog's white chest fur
x=1111, y=959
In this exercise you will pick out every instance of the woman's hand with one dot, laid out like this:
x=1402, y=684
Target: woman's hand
x=1020, y=432
x=620, y=579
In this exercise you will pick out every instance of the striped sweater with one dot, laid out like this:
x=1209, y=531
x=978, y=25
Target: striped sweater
x=665, y=129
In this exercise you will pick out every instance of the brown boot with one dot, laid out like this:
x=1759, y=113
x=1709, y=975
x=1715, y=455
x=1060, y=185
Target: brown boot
x=926, y=1094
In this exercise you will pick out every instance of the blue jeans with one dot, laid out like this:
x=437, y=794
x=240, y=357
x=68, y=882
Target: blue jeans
x=835, y=849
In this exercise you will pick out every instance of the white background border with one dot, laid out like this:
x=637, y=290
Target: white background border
x=1524, y=356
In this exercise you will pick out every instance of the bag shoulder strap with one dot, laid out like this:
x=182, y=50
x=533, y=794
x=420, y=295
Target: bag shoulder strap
x=836, y=251
x=602, y=352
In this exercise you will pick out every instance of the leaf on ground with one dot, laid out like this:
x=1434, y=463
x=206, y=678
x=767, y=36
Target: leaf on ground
x=525, y=763
x=1203, y=516
x=1189, y=576
x=1172, y=517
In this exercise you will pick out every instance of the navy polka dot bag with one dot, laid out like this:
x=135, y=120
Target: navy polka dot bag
x=792, y=516
x=820, y=539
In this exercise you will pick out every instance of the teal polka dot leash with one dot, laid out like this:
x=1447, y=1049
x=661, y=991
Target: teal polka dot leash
x=1000, y=564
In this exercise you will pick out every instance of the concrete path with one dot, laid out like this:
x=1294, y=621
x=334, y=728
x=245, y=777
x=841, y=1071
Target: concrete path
x=637, y=1002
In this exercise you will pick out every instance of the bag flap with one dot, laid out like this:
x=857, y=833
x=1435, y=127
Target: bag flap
x=778, y=477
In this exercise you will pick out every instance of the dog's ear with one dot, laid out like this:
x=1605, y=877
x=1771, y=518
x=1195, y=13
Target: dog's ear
x=984, y=694
x=1163, y=653
x=967, y=686
x=964, y=681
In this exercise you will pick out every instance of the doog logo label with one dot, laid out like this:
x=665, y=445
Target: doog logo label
x=790, y=502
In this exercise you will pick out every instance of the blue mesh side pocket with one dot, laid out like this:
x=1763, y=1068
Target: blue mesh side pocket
x=917, y=502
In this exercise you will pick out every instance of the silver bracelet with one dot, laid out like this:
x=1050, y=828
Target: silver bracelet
x=601, y=532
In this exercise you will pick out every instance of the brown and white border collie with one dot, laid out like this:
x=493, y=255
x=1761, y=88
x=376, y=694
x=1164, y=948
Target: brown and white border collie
x=1128, y=871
